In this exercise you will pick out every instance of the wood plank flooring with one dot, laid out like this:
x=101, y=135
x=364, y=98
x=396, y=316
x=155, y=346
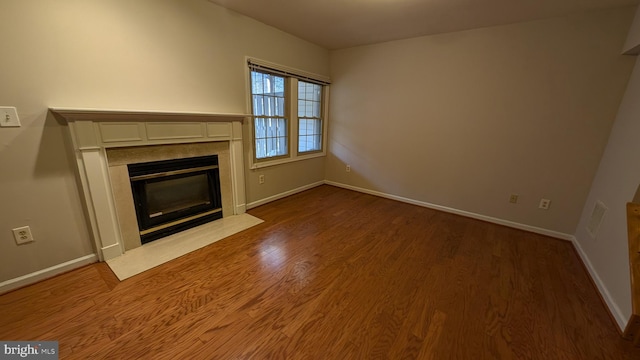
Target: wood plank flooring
x=333, y=274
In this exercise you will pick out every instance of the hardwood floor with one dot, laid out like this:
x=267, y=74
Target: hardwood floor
x=333, y=274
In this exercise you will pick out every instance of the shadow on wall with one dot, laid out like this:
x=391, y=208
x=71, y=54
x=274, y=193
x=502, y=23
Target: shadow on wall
x=636, y=197
x=55, y=155
x=362, y=168
x=56, y=159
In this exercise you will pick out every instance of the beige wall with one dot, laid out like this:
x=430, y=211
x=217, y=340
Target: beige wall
x=280, y=179
x=176, y=55
x=632, y=45
x=464, y=119
x=615, y=184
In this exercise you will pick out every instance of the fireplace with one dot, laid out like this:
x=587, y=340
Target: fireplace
x=105, y=142
x=173, y=195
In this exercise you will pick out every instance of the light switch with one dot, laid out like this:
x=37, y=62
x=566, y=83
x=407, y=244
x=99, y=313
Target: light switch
x=9, y=117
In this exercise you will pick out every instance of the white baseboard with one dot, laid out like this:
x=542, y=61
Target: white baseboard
x=619, y=317
x=46, y=273
x=490, y=219
x=111, y=252
x=283, y=195
x=240, y=209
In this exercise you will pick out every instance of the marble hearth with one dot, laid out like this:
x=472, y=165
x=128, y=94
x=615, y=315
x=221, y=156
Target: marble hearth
x=105, y=141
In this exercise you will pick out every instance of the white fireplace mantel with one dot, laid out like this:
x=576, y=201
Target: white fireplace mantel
x=94, y=131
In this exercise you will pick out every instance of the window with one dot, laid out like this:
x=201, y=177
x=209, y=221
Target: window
x=289, y=113
x=270, y=122
x=309, y=117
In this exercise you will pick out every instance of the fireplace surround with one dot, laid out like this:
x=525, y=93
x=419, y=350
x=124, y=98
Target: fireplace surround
x=106, y=141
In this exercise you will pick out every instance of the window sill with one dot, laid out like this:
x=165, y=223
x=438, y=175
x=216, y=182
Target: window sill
x=267, y=163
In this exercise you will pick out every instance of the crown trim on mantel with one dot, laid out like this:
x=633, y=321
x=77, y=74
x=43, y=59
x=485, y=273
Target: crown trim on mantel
x=71, y=114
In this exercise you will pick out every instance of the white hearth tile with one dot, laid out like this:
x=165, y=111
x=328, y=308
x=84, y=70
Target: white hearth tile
x=158, y=252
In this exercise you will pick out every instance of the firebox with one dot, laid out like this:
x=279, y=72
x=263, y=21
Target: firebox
x=173, y=195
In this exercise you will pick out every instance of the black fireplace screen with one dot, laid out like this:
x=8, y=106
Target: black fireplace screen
x=174, y=195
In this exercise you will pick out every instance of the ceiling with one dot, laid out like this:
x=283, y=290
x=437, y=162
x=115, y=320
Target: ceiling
x=338, y=24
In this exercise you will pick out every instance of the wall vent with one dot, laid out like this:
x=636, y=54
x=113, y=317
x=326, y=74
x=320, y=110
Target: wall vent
x=599, y=209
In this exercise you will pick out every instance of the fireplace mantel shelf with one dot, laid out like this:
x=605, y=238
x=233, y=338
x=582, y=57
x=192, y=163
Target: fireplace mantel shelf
x=72, y=114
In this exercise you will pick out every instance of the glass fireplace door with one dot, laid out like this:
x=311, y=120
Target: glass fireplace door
x=177, y=195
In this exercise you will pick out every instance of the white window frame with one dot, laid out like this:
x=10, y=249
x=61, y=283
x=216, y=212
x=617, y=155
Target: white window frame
x=292, y=76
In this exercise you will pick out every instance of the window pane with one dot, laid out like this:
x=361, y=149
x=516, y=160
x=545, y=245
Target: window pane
x=302, y=127
x=308, y=108
x=271, y=128
x=279, y=85
x=266, y=84
x=282, y=145
x=280, y=106
x=261, y=148
x=309, y=135
x=271, y=146
x=281, y=128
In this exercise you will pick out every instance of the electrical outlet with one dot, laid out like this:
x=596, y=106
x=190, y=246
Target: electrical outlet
x=22, y=235
x=9, y=117
x=513, y=198
x=544, y=204
x=348, y=168
x=261, y=179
